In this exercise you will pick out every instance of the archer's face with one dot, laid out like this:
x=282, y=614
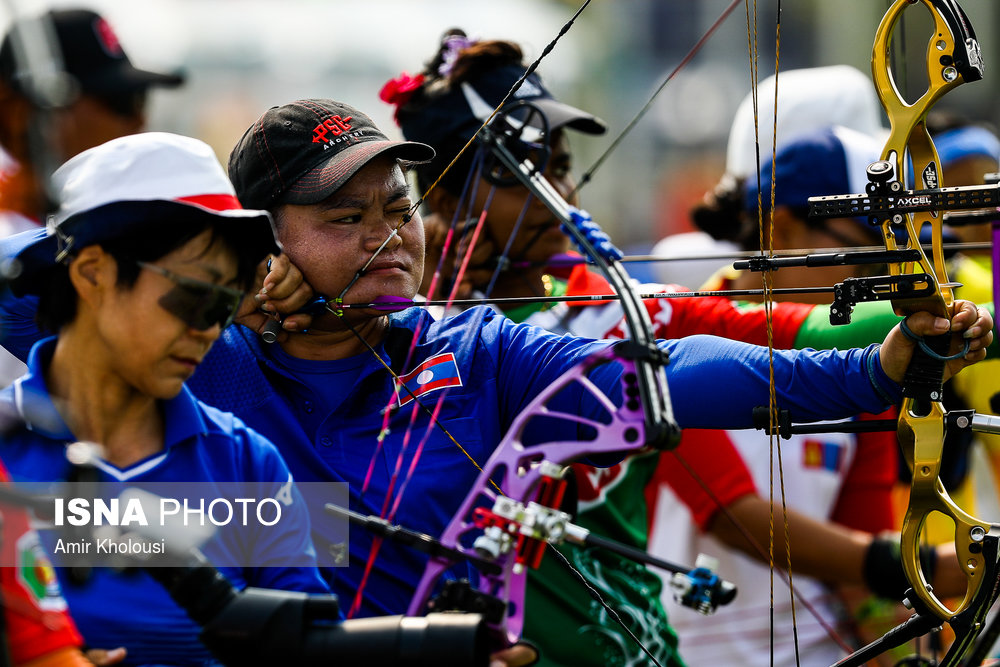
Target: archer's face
x=148, y=347
x=539, y=235
x=330, y=241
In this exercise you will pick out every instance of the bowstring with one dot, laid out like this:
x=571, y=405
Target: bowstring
x=589, y=174
x=774, y=441
x=751, y=23
x=766, y=243
x=395, y=232
x=830, y=631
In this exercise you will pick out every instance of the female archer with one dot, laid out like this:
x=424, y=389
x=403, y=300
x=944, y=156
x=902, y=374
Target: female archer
x=144, y=264
x=442, y=106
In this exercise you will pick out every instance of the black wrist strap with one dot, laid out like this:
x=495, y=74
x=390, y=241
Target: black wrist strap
x=883, y=568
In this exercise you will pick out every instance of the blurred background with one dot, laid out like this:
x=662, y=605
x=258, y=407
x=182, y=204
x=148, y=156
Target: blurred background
x=243, y=56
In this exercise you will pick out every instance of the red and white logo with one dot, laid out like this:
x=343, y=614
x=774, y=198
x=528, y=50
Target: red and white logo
x=107, y=38
x=332, y=127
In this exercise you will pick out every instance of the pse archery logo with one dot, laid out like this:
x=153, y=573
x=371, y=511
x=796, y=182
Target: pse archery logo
x=335, y=130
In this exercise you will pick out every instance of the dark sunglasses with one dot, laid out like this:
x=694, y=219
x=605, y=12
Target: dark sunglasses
x=198, y=304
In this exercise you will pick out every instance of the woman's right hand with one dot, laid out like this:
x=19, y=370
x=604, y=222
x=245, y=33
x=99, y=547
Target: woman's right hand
x=281, y=290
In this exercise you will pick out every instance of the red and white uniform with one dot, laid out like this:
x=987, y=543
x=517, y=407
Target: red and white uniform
x=837, y=477
x=35, y=618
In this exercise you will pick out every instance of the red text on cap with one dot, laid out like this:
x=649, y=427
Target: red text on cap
x=334, y=125
x=107, y=37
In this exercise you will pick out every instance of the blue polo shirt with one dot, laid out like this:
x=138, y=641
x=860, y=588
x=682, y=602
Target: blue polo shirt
x=202, y=444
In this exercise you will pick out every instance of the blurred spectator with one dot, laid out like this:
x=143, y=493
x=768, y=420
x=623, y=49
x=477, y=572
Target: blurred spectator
x=807, y=99
x=109, y=101
x=830, y=161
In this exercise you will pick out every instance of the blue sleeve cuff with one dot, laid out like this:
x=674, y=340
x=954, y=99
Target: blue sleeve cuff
x=887, y=388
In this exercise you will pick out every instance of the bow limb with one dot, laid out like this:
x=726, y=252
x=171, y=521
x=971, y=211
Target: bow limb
x=952, y=58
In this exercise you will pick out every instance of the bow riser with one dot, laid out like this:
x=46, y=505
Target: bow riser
x=521, y=468
x=922, y=439
x=952, y=58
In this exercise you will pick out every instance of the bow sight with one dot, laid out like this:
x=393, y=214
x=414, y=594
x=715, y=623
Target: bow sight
x=917, y=284
x=524, y=131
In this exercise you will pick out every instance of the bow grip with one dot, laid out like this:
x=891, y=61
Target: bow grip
x=597, y=237
x=923, y=379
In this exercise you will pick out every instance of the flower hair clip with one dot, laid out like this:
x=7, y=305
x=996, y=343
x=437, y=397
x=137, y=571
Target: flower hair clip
x=398, y=91
x=453, y=45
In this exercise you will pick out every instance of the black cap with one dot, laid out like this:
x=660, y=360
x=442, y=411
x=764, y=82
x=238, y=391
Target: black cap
x=465, y=107
x=304, y=151
x=90, y=52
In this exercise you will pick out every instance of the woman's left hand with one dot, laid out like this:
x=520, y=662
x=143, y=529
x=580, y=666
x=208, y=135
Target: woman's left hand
x=967, y=323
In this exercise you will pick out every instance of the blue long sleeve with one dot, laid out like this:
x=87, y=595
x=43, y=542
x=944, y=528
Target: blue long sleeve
x=718, y=382
x=714, y=382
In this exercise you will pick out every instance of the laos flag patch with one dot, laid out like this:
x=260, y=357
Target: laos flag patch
x=438, y=372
